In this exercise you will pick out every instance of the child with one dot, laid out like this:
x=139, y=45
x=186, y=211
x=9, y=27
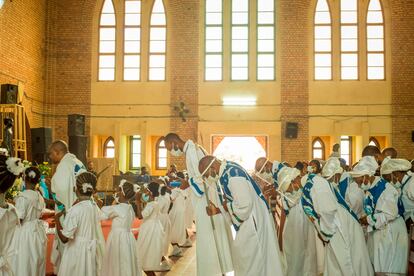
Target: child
x=177, y=218
x=81, y=232
x=120, y=255
x=164, y=203
x=150, y=242
x=30, y=237
x=9, y=170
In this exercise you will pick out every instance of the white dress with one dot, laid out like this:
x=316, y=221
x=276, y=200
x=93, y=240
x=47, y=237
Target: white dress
x=84, y=251
x=177, y=216
x=189, y=214
x=8, y=223
x=150, y=243
x=30, y=237
x=256, y=250
x=121, y=258
x=164, y=205
x=388, y=243
x=346, y=253
x=299, y=243
x=354, y=195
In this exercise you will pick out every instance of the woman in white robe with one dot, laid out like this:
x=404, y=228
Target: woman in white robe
x=30, y=237
x=150, y=243
x=120, y=254
x=81, y=232
x=299, y=243
x=177, y=217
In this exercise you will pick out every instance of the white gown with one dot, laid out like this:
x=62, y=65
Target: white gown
x=120, y=257
x=346, y=253
x=299, y=243
x=151, y=243
x=30, y=240
x=177, y=216
x=354, y=196
x=189, y=214
x=388, y=245
x=164, y=202
x=84, y=251
x=256, y=250
x=8, y=223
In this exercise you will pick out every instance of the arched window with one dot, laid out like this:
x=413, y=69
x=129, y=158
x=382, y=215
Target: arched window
x=265, y=40
x=374, y=142
x=240, y=39
x=161, y=155
x=132, y=40
x=349, y=39
x=109, y=148
x=375, y=41
x=213, y=41
x=318, y=149
x=323, y=41
x=107, y=30
x=158, y=42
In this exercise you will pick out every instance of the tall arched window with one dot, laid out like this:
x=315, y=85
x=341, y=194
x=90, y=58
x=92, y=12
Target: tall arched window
x=161, y=155
x=374, y=142
x=323, y=41
x=265, y=40
x=132, y=40
x=318, y=149
x=375, y=41
x=109, y=148
x=213, y=41
x=239, y=39
x=158, y=42
x=107, y=30
x=349, y=39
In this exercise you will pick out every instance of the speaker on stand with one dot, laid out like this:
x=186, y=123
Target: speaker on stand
x=78, y=141
x=41, y=139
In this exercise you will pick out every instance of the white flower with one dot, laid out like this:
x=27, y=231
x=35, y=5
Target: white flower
x=15, y=165
x=86, y=187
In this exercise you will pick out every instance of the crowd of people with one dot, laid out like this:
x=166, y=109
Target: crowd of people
x=316, y=218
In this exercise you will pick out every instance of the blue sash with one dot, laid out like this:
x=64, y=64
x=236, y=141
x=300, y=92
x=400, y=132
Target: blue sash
x=235, y=170
x=372, y=197
x=343, y=186
x=341, y=200
x=401, y=208
x=195, y=187
x=279, y=167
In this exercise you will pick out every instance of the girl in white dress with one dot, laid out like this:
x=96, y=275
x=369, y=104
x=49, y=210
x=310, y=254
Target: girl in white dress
x=121, y=257
x=8, y=214
x=150, y=243
x=177, y=217
x=164, y=203
x=81, y=232
x=30, y=237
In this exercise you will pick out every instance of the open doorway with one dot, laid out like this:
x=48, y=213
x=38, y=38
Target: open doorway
x=241, y=149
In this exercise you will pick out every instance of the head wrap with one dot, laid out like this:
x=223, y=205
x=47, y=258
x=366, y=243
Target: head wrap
x=393, y=165
x=366, y=166
x=332, y=167
x=285, y=176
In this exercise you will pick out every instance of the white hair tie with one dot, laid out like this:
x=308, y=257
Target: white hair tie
x=86, y=187
x=31, y=174
x=136, y=188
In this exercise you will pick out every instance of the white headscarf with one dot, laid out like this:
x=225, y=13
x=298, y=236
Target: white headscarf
x=285, y=176
x=393, y=165
x=366, y=166
x=332, y=167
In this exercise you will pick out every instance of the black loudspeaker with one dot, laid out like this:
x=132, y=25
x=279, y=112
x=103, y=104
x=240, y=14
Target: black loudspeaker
x=9, y=94
x=78, y=146
x=412, y=136
x=291, y=130
x=41, y=139
x=76, y=125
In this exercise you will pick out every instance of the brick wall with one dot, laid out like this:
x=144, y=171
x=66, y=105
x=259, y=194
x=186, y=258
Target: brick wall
x=68, y=51
x=22, y=52
x=294, y=50
x=184, y=66
x=402, y=55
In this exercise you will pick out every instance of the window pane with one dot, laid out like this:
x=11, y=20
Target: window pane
x=375, y=59
x=240, y=5
x=157, y=74
x=323, y=73
x=349, y=5
x=323, y=45
x=375, y=32
x=132, y=19
x=213, y=5
x=349, y=17
x=136, y=160
x=265, y=73
x=322, y=5
x=132, y=6
x=106, y=74
x=265, y=5
x=213, y=46
x=157, y=61
x=131, y=61
x=108, y=7
x=213, y=74
x=158, y=20
x=374, y=17
x=136, y=146
x=107, y=34
x=239, y=33
x=213, y=18
x=322, y=31
x=131, y=74
x=213, y=33
x=266, y=45
x=349, y=60
x=265, y=60
x=317, y=153
x=349, y=31
x=107, y=61
x=239, y=60
x=323, y=17
x=240, y=18
x=107, y=19
x=375, y=45
x=323, y=60
x=240, y=45
x=375, y=73
x=162, y=163
x=265, y=18
x=239, y=73
x=110, y=143
x=132, y=46
x=349, y=73
x=132, y=33
x=349, y=45
x=265, y=32
x=162, y=153
x=107, y=46
x=158, y=33
x=317, y=144
x=157, y=46
x=213, y=60
x=110, y=153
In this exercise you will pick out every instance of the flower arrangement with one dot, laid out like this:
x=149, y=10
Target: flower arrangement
x=14, y=190
x=45, y=169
